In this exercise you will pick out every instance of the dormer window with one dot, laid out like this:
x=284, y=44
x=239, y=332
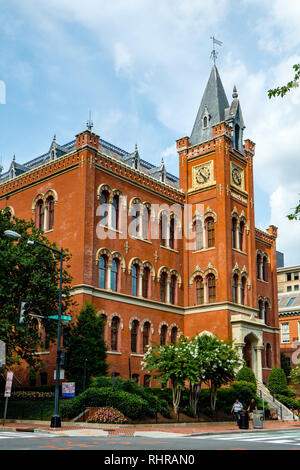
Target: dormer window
x=205, y=118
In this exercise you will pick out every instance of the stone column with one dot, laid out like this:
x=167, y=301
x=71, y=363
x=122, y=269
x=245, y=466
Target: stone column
x=108, y=276
x=140, y=283
x=258, y=373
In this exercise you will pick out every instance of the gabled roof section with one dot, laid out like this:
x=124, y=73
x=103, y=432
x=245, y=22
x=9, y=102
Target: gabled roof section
x=213, y=105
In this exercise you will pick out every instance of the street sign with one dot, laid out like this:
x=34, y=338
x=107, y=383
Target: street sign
x=65, y=318
x=8, y=385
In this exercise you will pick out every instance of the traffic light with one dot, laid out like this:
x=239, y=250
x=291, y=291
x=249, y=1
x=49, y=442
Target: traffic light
x=24, y=309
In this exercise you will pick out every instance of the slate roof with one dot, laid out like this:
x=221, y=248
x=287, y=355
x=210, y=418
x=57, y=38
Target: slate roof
x=105, y=147
x=286, y=306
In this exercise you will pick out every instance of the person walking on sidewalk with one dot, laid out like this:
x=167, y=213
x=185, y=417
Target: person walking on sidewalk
x=252, y=407
x=236, y=408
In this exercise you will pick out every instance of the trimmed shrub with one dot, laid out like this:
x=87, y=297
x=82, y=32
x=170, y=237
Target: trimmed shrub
x=277, y=383
x=291, y=392
x=244, y=391
x=246, y=374
x=108, y=416
x=289, y=402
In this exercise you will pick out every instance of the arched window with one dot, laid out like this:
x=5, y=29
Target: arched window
x=233, y=231
x=134, y=279
x=243, y=290
x=174, y=332
x=173, y=286
x=266, y=313
x=147, y=379
x=146, y=222
x=102, y=271
x=146, y=281
x=136, y=219
x=134, y=335
x=211, y=284
x=114, y=274
x=104, y=209
x=163, y=287
x=115, y=324
x=205, y=122
x=40, y=214
x=50, y=203
x=210, y=229
x=198, y=231
x=235, y=281
x=260, y=309
x=172, y=232
x=199, y=290
x=258, y=266
x=163, y=224
x=269, y=356
x=163, y=335
x=265, y=268
x=146, y=335
x=242, y=236
x=236, y=136
x=115, y=212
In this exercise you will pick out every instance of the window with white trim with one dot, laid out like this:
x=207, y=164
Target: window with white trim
x=285, y=332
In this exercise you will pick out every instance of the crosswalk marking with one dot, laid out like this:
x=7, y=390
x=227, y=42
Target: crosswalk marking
x=20, y=435
x=272, y=438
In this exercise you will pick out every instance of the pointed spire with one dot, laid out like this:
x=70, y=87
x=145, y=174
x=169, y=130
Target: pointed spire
x=235, y=93
x=213, y=105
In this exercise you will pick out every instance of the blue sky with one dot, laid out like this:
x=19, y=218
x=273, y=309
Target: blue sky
x=141, y=67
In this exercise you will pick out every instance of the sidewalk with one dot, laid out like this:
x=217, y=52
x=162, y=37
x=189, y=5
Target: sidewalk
x=158, y=430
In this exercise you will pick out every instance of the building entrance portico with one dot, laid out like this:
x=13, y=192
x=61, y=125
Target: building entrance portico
x=247, y=335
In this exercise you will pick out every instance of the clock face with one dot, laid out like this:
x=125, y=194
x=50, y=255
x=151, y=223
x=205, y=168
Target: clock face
x=237, y=176
x=203, y=175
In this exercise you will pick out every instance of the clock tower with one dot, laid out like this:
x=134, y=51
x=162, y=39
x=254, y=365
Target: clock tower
x=220, y=267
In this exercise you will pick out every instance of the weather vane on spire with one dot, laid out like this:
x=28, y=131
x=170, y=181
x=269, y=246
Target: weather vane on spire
x=89, y=123
x=214, y=53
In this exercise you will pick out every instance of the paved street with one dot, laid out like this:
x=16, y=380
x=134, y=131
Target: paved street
x=147, y=443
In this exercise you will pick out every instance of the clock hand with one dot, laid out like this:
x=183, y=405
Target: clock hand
x=205, y=179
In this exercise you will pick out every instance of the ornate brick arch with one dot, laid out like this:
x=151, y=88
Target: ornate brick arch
x=210, y=213
x=146, y=320
x=103, y=251
x=148, y=264
x=53, y=193
x=135, y=261
x=163, y=269
x=162, y=323
x=132, y=319
x=197, y=272
x=110, y=317
x=178, y=277
x=121, y=259
x=104, y=187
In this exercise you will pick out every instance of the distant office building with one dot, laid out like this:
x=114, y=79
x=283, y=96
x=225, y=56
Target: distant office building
x=280, y=259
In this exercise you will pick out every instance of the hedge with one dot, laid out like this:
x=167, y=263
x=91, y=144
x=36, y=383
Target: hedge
x=289, y=402
x=132, y=406
x=277, y=383
x=246, y=374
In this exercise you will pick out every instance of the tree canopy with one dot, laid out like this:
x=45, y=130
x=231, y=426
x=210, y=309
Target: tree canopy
x=29, y=272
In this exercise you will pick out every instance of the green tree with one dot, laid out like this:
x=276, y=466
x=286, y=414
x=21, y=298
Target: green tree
x=86, y=350
x=295, y=374
x=246, y=374
x=282, y=91
x=277, y=382
x=29, y=272
x=170, y=363
x=285, y=366
x=220, y=362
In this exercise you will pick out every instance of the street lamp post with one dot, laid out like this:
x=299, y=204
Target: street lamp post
x=55, y=420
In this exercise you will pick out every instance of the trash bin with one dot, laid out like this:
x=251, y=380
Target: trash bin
x=244, y=420
x=258, y=418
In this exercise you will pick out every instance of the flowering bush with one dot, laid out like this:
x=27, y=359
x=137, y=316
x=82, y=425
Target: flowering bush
x=108, y=416
x=32, y=395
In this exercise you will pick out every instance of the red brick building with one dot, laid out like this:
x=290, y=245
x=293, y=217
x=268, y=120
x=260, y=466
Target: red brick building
x=158, y=255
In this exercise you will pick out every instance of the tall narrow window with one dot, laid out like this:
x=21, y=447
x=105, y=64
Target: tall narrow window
x=210, y=227
x=163, y=335
x=242, y=236
x=269, y=356
x=243, y=291
x=163, y=228
x=233, y=231
x=258, y=266
x=136, y=219
x=114, y=333
x=146, y=281
x=265, y=268
x=40, y=214
x=134, y=335
x=235, y=281
x=114, y=274
x=199, y=291
x=146, y=222
x=134, y=279
x=50, y=202
x=266, y=313
x=115, y=212
x=172, y=232
x=163, y=287
x=173, y=289
x=146, y=335
x=104, y=209
x=211, y=284
x=260, y=309
x=102, y=271
x=198, y=231
x=174, y=335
